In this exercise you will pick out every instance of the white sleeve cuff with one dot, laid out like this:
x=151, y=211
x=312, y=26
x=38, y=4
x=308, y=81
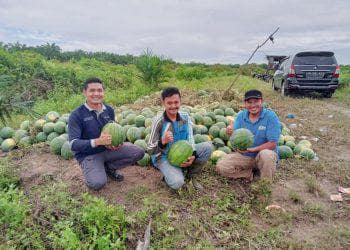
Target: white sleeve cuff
x=92, y=142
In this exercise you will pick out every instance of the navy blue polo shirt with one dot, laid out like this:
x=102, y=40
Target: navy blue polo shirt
x=266, y=129
x=84, y=126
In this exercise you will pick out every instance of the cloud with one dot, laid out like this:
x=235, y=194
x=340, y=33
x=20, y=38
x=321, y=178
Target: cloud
x=207, y=31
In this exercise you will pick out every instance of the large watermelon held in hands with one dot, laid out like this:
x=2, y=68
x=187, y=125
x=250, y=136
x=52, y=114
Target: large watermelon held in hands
x=179, y=152
x=116, y=131
x=242, y=139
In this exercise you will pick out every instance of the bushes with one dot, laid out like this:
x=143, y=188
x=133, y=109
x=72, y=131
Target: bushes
x=151, y=68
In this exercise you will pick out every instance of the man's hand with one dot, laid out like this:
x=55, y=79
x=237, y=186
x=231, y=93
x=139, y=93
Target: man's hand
x=229, y=128
x=104, y=140
x=167, y=137
x=114, y=148
x=188, y=162
x=248, y=150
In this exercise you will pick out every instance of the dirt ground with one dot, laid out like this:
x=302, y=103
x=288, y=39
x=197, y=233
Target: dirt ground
x=322, y=121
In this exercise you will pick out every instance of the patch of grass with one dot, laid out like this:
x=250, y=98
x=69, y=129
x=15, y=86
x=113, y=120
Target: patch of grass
x=295, y=197
x=313, y=210
x=313, y=186
x=261, y=194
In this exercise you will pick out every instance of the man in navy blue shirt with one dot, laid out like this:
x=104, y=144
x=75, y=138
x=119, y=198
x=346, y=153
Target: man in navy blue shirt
x=93, y=149
x=263, y=155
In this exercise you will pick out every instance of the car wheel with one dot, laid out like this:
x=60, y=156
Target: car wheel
x=327, y=94
x=284, y=90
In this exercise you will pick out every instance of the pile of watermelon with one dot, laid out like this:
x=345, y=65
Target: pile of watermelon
x=288, y=147
x=209, y=125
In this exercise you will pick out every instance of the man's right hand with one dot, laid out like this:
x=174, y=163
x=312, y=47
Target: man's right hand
x=167, y=137
x=229, y=128
x=103, y=140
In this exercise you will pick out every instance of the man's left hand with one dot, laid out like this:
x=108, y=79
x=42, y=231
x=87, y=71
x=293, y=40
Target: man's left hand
x=248, y=150
x=114, y=148
x=188, y=162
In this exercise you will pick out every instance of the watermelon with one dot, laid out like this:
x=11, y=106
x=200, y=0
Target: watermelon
x=298, y=148
x=141, y=143
x=60, y=127
x=143, y=132
x=305, y=143
x=221, y=118
x=219, y=112
x=229, y=112
x=25, y=141
x=307, y=153
x=19, y=134
x=281, y=141
x=207, y=121
x=220, y=125
x=225, y=149
x=123, y=122
x=52, y=116
x=51, y=136
x=25, y=125
x=8, y=144
x=285, y=152
x=288, y=138
x=148, y=122
x=64, y=118
x=147, y=138
x=133, y=134
x=1, y=140
x=140, y=121
x=131, y=118
x=198, y=118
x=66, y=151
x=49, y=127
x=179, y=152
x=41, y=137
x=214, y=131
x=145, y=161
x=196, y=129
x=223, y=135
x=56, y=145
x=218, y=143
x=216, y=155
x=116, y=131
x=290, y=144
x=201, y=138
x=39, y=124
x=65, y=136
x=242, y=139
x=6, y=132
x=211, y=115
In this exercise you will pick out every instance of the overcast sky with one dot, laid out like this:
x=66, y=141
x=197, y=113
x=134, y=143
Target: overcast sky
x=217, y=31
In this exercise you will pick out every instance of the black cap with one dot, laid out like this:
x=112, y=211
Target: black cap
x=254, y=93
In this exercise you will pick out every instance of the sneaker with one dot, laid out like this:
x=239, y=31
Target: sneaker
x=114, y=175
x=197, y=185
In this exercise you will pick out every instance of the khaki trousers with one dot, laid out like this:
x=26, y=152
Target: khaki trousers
x=236, y=165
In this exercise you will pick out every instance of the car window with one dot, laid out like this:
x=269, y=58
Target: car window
x=314, y=60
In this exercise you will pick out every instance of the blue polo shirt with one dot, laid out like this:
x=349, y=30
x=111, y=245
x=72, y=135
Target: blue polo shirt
x=266, y=128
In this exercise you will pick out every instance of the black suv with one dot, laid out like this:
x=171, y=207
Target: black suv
x=310, y=71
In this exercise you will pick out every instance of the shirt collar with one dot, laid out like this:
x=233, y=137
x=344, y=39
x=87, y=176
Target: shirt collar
x=178, y=117
x=90, y=109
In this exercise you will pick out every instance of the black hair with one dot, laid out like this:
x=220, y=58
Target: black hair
x=92, y=80
x=167, y=92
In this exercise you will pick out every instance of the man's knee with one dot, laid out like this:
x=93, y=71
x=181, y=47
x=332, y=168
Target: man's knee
x=96, y=184
x=267, y=155
x=137, y=152
x=175, y=182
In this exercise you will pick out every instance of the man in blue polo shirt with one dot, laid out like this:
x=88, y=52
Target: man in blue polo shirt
x=92, y=149
x=263, y=155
